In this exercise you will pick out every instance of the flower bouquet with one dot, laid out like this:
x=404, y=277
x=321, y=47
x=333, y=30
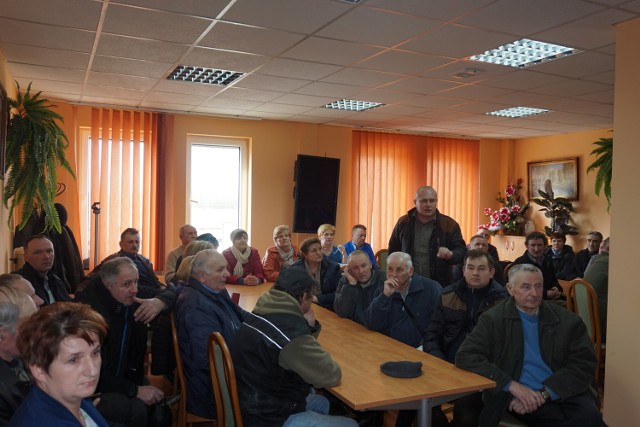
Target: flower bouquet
x=510, y=217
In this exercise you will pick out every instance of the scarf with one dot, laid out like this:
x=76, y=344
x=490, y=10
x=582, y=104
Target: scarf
x=315, y=277
x=286, y=257
x=241, y=259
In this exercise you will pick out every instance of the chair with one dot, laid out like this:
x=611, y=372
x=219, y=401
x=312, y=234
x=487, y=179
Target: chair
x=223, y=381
x=381, y=259
x=185, y=418
x=583, y=301
x=506, y=272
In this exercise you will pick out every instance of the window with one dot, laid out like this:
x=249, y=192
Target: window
x=217, y=185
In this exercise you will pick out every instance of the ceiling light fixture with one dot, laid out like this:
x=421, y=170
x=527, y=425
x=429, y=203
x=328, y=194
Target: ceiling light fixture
x=516, y=112
x=351, y=105
x=204, y=75
x=524, y=53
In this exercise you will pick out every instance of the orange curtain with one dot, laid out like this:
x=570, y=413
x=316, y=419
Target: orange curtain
x=123, y=153
x=388, y=168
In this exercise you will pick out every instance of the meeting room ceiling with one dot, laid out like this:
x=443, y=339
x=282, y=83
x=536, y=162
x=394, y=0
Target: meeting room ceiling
x=299, y=55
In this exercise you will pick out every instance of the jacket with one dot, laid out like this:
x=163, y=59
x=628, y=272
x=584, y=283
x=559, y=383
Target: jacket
x=40, y=409
x=453, y=318
x=597, y=274
x=13, y=389
x=446, y=232
x=253, y=266
x=366, y=248
x=198, y=313
x=329, y=277
x=495, y=349
x=563, y=263
x=352, y=300
x=272, y=264
x=277, y=358
x=56, y=284
x=125, y=346
x=388, y=315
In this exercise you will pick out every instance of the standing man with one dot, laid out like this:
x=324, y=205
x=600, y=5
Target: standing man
x=582, y=258
x=597, y=274
x=357, y=287
x=126, y=308
x=187, y=234
x=540, y=356
x=38, y=257
x=433, y=240
x=358, y=237
x=277, y=359
x=460, y=307
x=536, y=242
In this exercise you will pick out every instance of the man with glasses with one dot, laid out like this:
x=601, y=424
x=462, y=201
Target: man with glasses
x=460, y=307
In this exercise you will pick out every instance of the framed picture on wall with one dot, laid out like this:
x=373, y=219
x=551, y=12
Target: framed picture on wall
x=563, y=174
x=4, y=123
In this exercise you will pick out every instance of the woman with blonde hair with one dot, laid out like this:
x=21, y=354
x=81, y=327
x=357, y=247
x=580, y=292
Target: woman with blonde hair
x=281, y=255
x=326, y=233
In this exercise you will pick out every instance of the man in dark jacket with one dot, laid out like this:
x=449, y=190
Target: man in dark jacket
x=126, y=308
x=561, y=256
x=357, y=287
x=536, y=242
x=39, y=256
x=277, y=359
x=582, y=258
x=204, y=306
x=460, y=307
x=538, y=353
x=433, y=240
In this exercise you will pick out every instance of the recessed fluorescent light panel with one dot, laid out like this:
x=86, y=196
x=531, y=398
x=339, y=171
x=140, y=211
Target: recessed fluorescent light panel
x=204, y=75
x=516, y=112
x=351, y=105
x=524, y=53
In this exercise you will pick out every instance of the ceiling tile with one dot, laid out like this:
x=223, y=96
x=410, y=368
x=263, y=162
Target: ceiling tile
x=363, y=25
x=524, y=18
x=582, y=64
x=403, y=62
x=421, y=85
x=250, y=94
x=135, y=48
x=152, y=24
x=329, y=89
x=243, y=38
x=444, y=10
x=50, y=85
x=63, y=59
x=273, y=107
x=114, y=92
x=305, y=100
x=175, y=98
x=50, y=73
x=330, y=51
x=174, y=86
x=523, y=80
x=298, y=69
x=259, y=81
x=572, y=87
x=238, y=104
x=361, y=77
x=120, y=80
x=26, y=33
x=301, y=16
x=207, y=9
x=130, y=67
x=66, y=13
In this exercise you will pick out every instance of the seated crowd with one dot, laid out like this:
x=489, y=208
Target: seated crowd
x=435, y=294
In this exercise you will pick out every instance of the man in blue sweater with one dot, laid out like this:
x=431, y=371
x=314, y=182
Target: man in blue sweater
x=538, y=353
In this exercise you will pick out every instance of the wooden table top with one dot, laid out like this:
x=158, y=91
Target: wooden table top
x=360, y=352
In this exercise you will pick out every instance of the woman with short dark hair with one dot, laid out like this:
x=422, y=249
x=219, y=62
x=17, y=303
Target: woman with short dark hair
x=323, y=271
x=60, y=345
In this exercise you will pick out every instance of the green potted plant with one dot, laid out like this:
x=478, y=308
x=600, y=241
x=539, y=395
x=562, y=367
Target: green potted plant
x=35, y=148
x=603, y=167
x=557, y=209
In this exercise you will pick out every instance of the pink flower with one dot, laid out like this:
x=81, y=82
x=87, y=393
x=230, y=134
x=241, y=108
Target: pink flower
x=495, y=215
x=487, y=211
x=483, y=226
x=510, y=190
x=504, y=211
x=515, y=208
x=504, y=217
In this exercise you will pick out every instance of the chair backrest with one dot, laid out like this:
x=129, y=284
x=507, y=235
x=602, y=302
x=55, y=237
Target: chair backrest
x=381, y=259
x=505, y=272
x=223, y=381
x=182, y=404
x=583, y=300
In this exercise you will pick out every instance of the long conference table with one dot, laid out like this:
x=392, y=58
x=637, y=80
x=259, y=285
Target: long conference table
x=360, y=352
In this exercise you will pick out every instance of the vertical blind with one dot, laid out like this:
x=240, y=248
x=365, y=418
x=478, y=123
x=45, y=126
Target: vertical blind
x=123, y=173
x=388, y=168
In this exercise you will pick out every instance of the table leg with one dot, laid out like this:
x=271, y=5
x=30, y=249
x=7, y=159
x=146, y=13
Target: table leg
x=424, y=413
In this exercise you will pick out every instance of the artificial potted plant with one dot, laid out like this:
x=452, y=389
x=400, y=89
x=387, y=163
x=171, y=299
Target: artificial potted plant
x=603, y=167
x=557, y=209
x=35, y=148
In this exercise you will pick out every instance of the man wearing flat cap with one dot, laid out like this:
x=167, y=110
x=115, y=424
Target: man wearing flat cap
x=277, y=359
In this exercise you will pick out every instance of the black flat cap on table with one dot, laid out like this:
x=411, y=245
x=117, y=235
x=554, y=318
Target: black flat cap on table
x=402, y=369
